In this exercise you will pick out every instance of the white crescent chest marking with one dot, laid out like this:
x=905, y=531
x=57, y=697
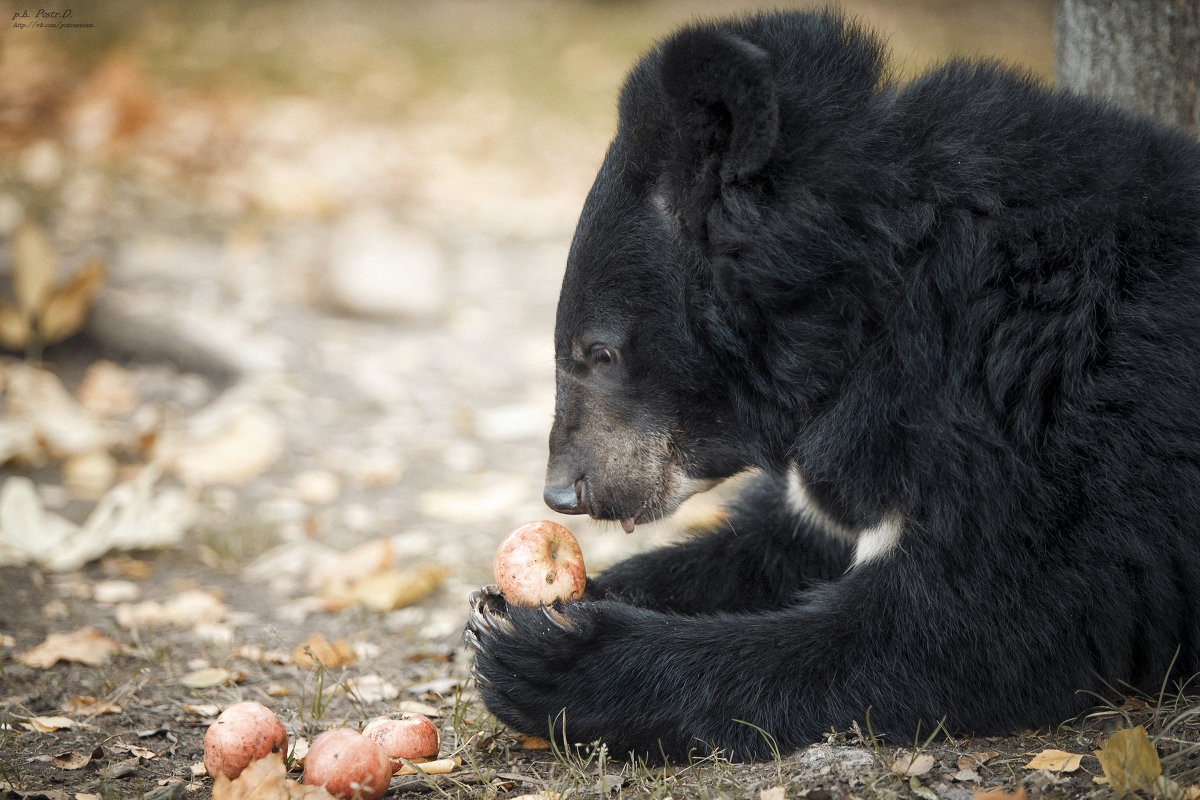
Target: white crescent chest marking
x=871, y=543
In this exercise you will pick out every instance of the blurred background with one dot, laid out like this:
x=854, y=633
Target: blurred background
x=303, y=258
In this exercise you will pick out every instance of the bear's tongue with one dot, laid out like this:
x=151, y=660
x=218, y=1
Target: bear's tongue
x=627, y=524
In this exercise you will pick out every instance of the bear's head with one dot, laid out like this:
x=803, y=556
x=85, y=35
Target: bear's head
x=697, y=321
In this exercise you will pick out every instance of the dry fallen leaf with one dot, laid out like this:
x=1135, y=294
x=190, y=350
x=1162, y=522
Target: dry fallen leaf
x=74, y=760
x=112, y=104
x=368, y=689
x=202, y=709
x=912, y=765
x=774, y=793
x=299, y=752
x=210, y=677
x=187, y=609
x=317, y=650
x=265, y=779
x=46, y=312
x=1055, y=761
x=64, y=428
x=440, y=766
x=1130, y=761
x=133, y=749
x=66, y=309
x=417, y=707
x=131, y=515
x=14, y=330
x=252, y=652
x=973, y=761
x=50, y=724
x=27, y=530
x=90, y=706
x=107, y=390
x=374, y=555
x=35, y=267
x=525, y=742
x=85, y=646
x=231, y=443
x=387, y=591
x=88, y=476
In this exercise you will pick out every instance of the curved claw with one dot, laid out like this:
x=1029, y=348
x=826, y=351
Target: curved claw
x=557, y=618
x=473, y=642
x=483, y=594
x=494, y=623
x=488, y=591
x=481, y=681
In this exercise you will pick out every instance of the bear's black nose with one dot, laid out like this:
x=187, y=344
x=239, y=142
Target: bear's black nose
x=565, y=498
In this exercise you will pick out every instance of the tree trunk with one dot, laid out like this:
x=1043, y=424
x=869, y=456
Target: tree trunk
x=1141, y=54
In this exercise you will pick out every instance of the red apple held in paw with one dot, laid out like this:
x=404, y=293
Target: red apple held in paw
x=538, y=563
x=242, y=733
x=412, y=737
x=349, y=765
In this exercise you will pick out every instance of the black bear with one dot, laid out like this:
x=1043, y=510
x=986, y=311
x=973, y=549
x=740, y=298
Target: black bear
x=954, y=324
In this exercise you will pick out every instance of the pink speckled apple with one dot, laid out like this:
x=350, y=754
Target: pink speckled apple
x=538, y=563
x=348, y=765
x=412, y=737
x=242, y=733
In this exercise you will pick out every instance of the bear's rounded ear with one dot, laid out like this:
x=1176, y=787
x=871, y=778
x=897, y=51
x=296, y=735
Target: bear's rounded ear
x=721, y=94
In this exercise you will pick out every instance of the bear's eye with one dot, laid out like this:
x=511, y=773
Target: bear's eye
x=602, y=355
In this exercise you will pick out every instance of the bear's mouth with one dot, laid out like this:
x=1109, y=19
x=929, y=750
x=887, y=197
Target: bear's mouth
x=674, y=487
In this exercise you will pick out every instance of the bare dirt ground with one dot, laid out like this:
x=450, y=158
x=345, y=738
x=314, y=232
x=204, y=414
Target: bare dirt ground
x=332, y=239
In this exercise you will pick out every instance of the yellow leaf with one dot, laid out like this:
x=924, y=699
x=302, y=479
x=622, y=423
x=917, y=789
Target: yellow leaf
x=14, y=328
x=525, y=742
x=34, y=266
x=316, y=649
x=265, y=779
x=85, y=646
x=387, y=591
x=374, y=555
x=1130, y=761
x=1055, y=761
x=66, y=308
x=439, y=766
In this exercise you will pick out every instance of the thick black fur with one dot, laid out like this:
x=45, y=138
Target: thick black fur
x=967, y=308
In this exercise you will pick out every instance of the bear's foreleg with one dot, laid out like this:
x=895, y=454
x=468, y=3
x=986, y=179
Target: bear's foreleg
x=758, y=558
x=985, y=653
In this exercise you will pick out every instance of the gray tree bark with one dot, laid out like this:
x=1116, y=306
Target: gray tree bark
x=1141, y=54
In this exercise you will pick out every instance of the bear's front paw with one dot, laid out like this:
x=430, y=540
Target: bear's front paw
x=525, y=656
